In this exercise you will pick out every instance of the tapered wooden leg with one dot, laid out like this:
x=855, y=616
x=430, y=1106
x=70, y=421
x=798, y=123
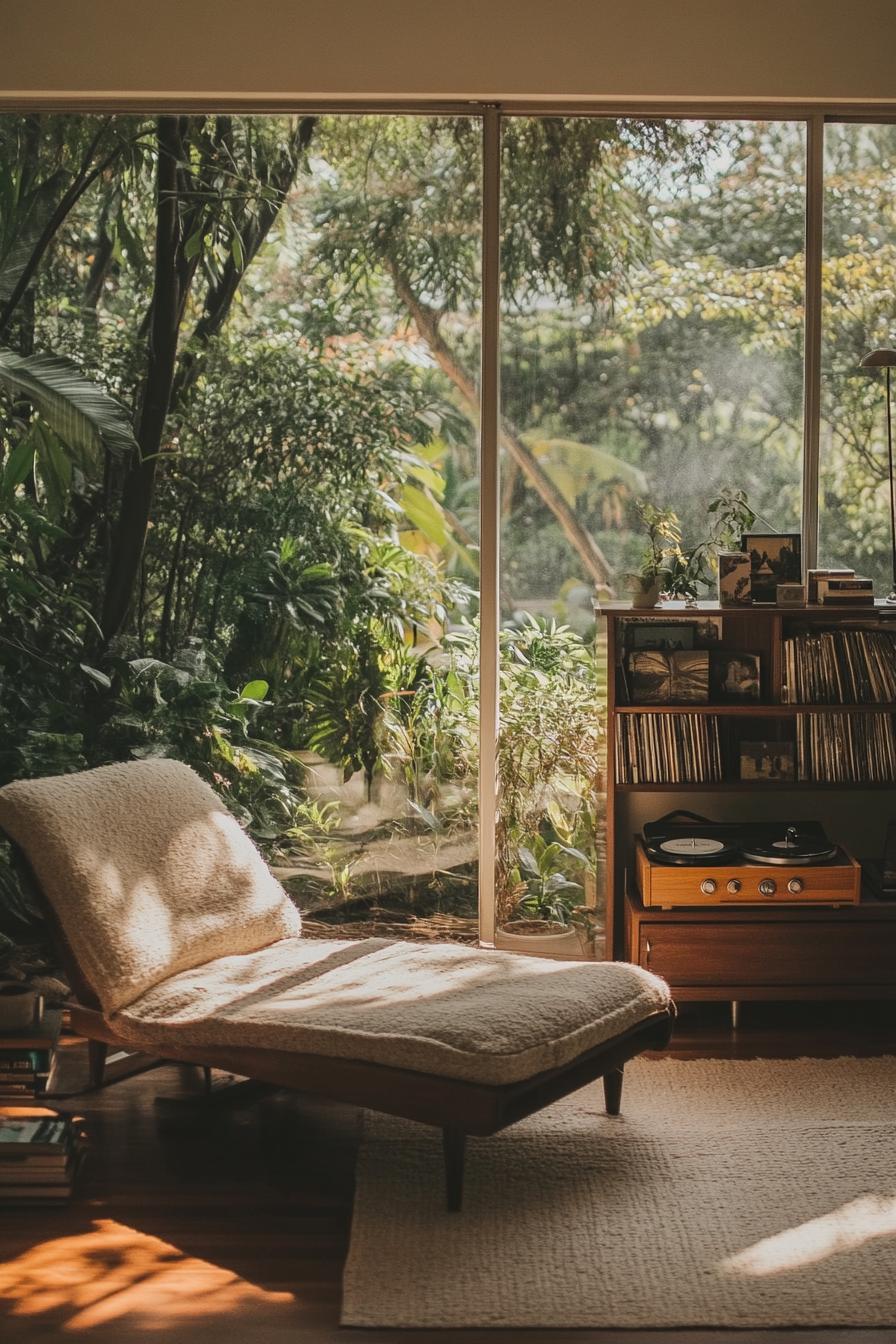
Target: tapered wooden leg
x=453, y=1142
x=96, y=1061
x=613, y=1091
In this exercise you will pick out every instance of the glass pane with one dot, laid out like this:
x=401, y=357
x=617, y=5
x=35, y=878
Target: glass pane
x=308, y=591
x=651, y=352
x=858, y=315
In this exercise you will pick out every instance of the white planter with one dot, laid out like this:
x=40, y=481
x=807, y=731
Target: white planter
x=560, y=943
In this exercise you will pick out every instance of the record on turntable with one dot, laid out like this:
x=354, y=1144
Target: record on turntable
x=796, y=846
x=692, y=849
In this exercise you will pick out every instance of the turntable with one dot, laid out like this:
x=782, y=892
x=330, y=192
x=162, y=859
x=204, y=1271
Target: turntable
x=685, y=859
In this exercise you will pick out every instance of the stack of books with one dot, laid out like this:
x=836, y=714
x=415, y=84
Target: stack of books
x=840, y=588
x=846, y=748
x=26, y=1058
x=668, y=749
x=38, y=1156
x=840, y=667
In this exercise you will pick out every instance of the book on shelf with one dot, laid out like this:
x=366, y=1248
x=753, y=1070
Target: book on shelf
x=668, y=749
x=840, y=667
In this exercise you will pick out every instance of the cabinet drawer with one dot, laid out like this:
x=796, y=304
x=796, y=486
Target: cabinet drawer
x=733, y=953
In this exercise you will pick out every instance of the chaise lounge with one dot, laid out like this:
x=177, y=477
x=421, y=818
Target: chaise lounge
x=179, y=941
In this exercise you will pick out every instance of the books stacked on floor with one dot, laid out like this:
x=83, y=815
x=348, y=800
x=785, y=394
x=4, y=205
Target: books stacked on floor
x=668, y=749
x=38, y=1156
x=846, y=748
x=26, y=1058
x=840, y=667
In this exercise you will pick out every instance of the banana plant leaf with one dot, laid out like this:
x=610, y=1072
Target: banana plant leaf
x=83, y=416
x=573, y=466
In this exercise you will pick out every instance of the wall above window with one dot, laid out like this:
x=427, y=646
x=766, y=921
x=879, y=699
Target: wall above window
x=800, y=51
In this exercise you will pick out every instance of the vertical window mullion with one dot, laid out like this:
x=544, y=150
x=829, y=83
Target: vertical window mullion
x=812, y=334
x=489, y=519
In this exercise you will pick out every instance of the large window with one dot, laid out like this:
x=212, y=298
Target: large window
x=305, y=295
x=859, y=314
x=651, y=351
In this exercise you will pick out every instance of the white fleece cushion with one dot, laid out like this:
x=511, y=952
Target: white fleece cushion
x=487, y=1017
x=147, y=872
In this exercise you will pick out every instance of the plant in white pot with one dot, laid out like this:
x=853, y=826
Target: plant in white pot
x=550, y=753
x=548, y=917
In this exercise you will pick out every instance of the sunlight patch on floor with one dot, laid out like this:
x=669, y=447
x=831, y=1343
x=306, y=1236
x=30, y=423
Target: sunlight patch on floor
x=843, y=1229
x=111, y=1272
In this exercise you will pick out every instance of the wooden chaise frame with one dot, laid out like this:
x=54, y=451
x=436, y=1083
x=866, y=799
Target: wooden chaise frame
x=456, y=1107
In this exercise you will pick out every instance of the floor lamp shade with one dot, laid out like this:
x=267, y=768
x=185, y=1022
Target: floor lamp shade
x=886, y=359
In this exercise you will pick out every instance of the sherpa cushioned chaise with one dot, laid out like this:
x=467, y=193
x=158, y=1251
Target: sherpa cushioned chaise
x=179, y=941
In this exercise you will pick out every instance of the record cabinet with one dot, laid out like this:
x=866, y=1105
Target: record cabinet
x=803, y=729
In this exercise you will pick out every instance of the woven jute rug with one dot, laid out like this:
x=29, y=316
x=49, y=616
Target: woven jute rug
x=755, y=1193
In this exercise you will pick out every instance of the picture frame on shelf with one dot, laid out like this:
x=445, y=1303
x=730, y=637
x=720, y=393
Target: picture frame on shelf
x=734, y=678
x=768, y=760
x=667, y=637
x=775, y=557
x=735, y=586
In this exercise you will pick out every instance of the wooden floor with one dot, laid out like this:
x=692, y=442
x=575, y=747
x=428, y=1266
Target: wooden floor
x=226, y=1221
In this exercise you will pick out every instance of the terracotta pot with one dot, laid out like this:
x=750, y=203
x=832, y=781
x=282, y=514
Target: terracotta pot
x=539, y=938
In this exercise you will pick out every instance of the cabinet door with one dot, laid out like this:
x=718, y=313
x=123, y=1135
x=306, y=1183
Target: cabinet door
x=769, y=954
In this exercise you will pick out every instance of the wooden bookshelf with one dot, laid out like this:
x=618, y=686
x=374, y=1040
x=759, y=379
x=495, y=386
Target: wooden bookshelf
x=801, y=961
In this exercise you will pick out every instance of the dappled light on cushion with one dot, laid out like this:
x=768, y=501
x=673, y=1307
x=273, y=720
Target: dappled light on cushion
x=116, y=1274
x=460, y=1012
x=852, y=1225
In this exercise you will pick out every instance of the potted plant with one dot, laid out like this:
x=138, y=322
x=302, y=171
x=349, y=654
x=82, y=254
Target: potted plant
x=550, y=753
x=548, y=918
x=667, y=569
x=688, y=571
x=661, y=556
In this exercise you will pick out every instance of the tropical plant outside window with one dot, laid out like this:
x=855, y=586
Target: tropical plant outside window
x=255, y=341
x=859, y=314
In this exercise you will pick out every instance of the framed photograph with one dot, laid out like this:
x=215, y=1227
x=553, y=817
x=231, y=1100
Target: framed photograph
x=735, y=589
x=734, y=678
x=708, y=631
x=775, y=557
x=767, y=760
x=667, y=638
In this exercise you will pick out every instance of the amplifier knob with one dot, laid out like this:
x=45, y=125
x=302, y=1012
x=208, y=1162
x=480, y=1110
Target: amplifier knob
x=795, y=886
x=734, y=885
x=708, y=886
x=767, y=887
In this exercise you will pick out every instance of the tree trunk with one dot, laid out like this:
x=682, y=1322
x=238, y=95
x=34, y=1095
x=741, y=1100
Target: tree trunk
x=595, y=563
x=167, y=301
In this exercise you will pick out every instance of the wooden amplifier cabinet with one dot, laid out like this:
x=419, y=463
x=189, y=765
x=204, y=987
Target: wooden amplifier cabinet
x=669, y=886
x=779, y=952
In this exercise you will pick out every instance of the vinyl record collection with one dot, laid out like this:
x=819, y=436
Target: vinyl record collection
x=846, y=748
x=845, y=667
x=668, y=749
x=39, y=1155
